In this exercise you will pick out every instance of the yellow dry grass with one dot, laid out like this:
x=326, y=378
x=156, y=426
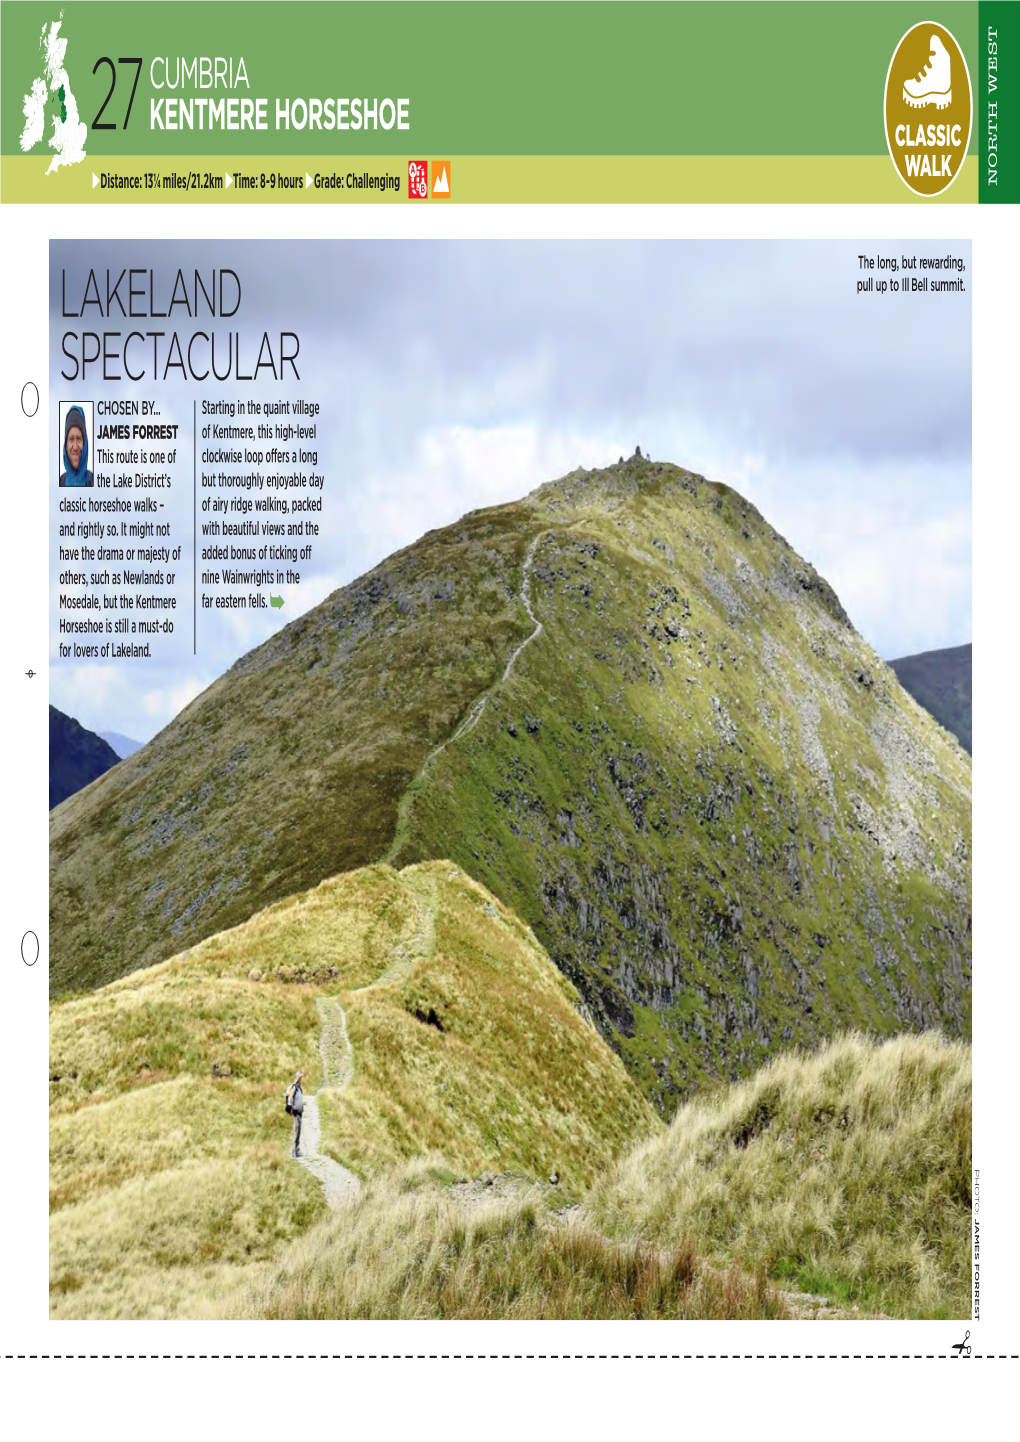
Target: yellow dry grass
x=169, y=1169
x=479, y=1053
x=846, y=1174
x=408, y=1248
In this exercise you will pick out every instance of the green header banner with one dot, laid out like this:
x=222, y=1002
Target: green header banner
x=235, y=89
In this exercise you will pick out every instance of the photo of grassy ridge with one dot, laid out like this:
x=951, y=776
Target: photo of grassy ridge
x=833, y=1184
x=567, y=828
x=503, y=1105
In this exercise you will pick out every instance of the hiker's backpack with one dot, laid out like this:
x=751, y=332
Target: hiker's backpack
x=286, y=1099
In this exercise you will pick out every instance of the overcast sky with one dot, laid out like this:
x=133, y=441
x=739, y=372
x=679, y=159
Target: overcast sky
x=454, y=375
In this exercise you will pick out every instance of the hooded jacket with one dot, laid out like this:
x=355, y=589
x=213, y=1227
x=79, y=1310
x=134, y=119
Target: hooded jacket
x=82, y=476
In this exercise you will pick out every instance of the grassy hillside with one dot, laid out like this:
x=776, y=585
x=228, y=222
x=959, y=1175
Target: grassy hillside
x=835, y=1184
x=169, y=1174
x=289, y=768
x=847, y=1173
x=473, y=1079
x=713, y=802
x=723, y=818
x=941, y=682
x=411, y=1247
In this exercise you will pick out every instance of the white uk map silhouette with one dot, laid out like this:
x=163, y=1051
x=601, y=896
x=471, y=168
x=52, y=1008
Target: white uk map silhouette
x=68, y=138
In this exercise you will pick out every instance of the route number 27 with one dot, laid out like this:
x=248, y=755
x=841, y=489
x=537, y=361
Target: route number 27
x=98, y=124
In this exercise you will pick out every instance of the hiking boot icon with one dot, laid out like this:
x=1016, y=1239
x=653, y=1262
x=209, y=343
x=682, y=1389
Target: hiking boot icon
x=932, y=86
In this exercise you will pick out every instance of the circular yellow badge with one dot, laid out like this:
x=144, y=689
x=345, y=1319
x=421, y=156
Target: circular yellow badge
x=928, y=109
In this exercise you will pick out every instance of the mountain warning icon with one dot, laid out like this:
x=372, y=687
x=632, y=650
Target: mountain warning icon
x=441, y=180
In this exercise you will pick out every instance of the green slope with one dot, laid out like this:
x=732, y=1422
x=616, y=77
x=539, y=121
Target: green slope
x=714, y=804
x=288, y=769
x=724, y=818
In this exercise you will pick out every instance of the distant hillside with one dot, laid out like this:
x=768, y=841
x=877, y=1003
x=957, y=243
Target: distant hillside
x=123, y=745
x=77, y=756
x=627, y=707
x=940, y=681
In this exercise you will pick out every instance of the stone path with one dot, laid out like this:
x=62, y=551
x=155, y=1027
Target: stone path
x=526, y=598
x=339, y=1184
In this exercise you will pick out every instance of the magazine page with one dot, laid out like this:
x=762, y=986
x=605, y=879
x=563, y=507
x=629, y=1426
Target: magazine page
x=503, y=492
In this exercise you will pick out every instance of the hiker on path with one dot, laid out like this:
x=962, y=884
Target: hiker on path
x=296, y=1106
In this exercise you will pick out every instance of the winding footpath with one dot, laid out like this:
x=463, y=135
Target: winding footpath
x=338, y=1183
x=473, y=717
x=526, y=598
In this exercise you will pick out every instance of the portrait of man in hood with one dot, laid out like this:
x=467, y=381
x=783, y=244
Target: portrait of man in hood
x=75, y=453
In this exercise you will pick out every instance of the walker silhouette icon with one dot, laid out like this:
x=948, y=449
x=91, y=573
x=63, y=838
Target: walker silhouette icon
x=932, y=85
x=960, y=1348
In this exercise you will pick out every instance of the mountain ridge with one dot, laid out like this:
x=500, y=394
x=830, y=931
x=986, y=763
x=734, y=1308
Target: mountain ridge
x=78, y=756
x=695, y=680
